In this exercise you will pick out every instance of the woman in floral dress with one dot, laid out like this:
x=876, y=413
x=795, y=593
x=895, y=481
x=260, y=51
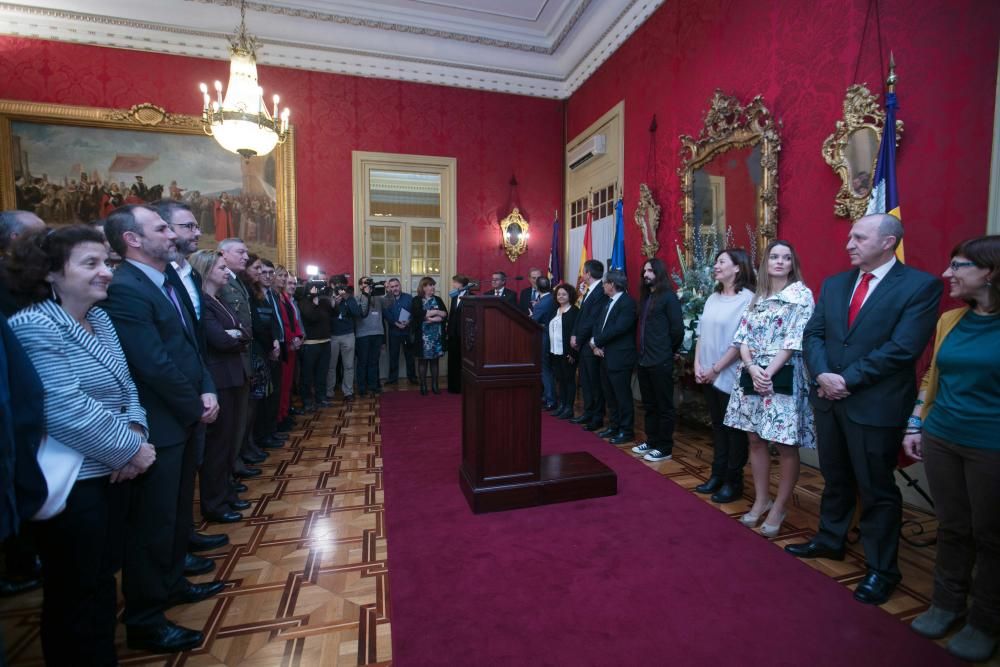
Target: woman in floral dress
x=770, y=401
x=429, y=316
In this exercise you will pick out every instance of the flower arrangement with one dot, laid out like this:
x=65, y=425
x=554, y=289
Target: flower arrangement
x=696, y=281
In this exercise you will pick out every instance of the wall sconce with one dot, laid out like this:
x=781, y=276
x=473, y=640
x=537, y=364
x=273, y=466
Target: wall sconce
x=514, y=235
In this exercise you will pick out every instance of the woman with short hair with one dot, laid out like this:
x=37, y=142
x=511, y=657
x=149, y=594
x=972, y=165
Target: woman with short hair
x=429, y=317
x=562, y=354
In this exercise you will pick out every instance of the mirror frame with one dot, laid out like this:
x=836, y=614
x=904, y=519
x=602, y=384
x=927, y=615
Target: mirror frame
x=861, y=110
x=647, y=218
x=728, y=124
x=514, y=250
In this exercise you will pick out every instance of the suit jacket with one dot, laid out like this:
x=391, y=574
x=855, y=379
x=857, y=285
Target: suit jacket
x=569, y=319
x=592, y=306
x=524, y=301
x=234, y=294
x=617, y=335
x=454, y=321
x=90, y=398
x=544, y=311
x=180, y=288
x=224, y=351
x=163, y=355
x=508, y=295
x=664, y=330
x=22, y=423
x=877, y=356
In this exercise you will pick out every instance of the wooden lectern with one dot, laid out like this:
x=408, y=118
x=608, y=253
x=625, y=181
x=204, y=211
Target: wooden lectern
x=502, y=466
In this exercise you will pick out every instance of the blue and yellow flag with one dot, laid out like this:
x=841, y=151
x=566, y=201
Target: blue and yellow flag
x=885, y=195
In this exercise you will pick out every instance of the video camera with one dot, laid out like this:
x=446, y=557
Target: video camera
x=373, y=287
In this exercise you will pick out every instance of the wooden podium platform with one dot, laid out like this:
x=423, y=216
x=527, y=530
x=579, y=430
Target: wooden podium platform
x=502, y=465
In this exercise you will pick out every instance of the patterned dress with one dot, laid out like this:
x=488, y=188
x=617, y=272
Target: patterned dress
x=431, y=347
x=768, y=326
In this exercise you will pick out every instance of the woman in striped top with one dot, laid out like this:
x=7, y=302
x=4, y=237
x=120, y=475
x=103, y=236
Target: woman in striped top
x=91, y=405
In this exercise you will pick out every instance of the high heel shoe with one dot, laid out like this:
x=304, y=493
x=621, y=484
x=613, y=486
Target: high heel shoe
x=769, y=530
x=750, y=519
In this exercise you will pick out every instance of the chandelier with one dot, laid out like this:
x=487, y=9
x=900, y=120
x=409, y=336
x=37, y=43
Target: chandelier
x=240, y=121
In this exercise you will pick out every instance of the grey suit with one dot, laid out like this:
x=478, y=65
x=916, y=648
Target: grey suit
x=860, y=436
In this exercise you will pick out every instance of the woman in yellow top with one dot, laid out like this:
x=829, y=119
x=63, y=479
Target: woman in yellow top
x=954, y=430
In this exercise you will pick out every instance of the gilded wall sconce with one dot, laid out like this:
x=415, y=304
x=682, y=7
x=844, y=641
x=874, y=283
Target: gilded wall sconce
x=514, y=235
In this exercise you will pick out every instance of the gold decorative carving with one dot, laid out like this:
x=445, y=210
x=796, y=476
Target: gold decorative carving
x=728, y=125
x=146, y=117
x=852, y=149
x=647, y=217
x=514, y=232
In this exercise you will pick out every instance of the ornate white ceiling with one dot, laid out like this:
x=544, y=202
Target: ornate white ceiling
x=545, y=48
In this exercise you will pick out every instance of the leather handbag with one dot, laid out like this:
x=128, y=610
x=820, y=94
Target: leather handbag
x=61, y=466
x=782, y=382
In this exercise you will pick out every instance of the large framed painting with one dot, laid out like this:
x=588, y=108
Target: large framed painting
x=75, y=164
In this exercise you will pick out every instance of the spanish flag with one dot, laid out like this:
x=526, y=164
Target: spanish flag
x=586, y=252
x=885, y=196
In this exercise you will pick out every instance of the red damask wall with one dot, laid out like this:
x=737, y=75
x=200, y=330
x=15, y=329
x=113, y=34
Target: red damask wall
x=491, y=135
x=801, y=56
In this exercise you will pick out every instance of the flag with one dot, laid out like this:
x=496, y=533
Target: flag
x=585, y=254
x=555, y=267
x=885, y=195
x=618, y=253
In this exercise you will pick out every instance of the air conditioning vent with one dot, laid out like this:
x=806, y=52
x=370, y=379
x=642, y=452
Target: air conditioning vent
x=591, y=148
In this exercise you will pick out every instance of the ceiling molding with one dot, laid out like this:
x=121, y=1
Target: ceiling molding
x=587, y=36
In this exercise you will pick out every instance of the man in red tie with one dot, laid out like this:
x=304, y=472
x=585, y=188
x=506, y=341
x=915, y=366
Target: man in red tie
x=861, y=346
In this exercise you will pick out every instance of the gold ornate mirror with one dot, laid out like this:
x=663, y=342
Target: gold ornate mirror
x=647, y=217
x=729, y=178
x=852, y=150
x=514, y=232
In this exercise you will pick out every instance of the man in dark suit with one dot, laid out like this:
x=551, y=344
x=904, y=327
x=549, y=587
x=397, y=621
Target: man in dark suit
x=460, y=289
x=661, y=332
x=499, y=283
x=614, y=344
x=530, y=295
x=543, y=312
x=861, y=346
x=592, y=304
x=162, y=349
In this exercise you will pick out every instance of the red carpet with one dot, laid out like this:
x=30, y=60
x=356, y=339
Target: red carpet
x=652, y=576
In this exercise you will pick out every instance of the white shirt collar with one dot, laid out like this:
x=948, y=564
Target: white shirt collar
x=879, y=272
x=183, y=271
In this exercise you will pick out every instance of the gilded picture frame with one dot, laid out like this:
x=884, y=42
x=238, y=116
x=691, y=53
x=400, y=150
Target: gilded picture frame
x=647, y=218
x=514, y=232
x=255, y=199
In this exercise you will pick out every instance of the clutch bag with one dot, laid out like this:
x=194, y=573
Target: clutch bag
x=781, y=382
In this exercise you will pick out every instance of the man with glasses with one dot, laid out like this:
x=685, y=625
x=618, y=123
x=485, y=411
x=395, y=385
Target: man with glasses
x=861, y=347
x=499, y=283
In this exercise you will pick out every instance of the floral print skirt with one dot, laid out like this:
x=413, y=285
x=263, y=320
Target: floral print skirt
x=787, y=420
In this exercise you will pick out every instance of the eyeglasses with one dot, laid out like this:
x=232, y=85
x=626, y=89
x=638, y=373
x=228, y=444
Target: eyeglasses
x=190, y=226
x=955, y=266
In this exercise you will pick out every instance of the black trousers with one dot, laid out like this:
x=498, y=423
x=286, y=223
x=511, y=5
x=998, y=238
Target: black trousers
x=590, y=383
x=395, y=343
x=656, y=384
x=565, y=380
x=454, y=363
x=855, y=458
x=617, y=390
x=77, y=550
x=266, y=417
x=314, y=363
x=369, y=349
x=731, y=446
x=158, y=527
x=215, y=474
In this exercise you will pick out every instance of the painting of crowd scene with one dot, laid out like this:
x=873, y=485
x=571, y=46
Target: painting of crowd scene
x=68, y=174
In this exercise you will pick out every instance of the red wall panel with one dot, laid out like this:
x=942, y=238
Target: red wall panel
x=492, y=136
x=801, y=56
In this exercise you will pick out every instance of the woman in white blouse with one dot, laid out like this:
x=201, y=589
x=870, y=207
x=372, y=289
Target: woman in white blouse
x=562, y=355
x=715, y=361
x=91, y=406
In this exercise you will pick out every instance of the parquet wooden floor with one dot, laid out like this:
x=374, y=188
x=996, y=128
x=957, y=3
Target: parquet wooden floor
x=308, y=581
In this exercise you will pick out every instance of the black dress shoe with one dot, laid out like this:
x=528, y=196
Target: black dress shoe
x=728, y=493
x=279, y=436
x=815, y=550
x=195, y=565
x=249, y=472
x=593, y=427
x=225, y=517
x=711, y=486
x=582, y=419
x=621, y=438
x=197, y=593
x=240, y=487
x=549, y=407
x=10, y=587
x=295, y=412
x=240, y=505
x=251, y=459
x=166, y=638
x=203, y=542
x=286, y=425
x=271, y=443
x=874, y=589
x=565, y=414
x=607, y=433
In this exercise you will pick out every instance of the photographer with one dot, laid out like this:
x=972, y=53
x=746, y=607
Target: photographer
x=369, y=337
x=345, y=311
x=316, y=307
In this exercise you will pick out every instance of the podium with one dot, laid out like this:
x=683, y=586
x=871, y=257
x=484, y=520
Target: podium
x=502, y=464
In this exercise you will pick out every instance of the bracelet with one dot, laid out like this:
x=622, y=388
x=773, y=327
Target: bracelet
x=914, y=431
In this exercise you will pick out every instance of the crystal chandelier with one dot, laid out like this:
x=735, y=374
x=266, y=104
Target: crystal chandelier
x=240, y=122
